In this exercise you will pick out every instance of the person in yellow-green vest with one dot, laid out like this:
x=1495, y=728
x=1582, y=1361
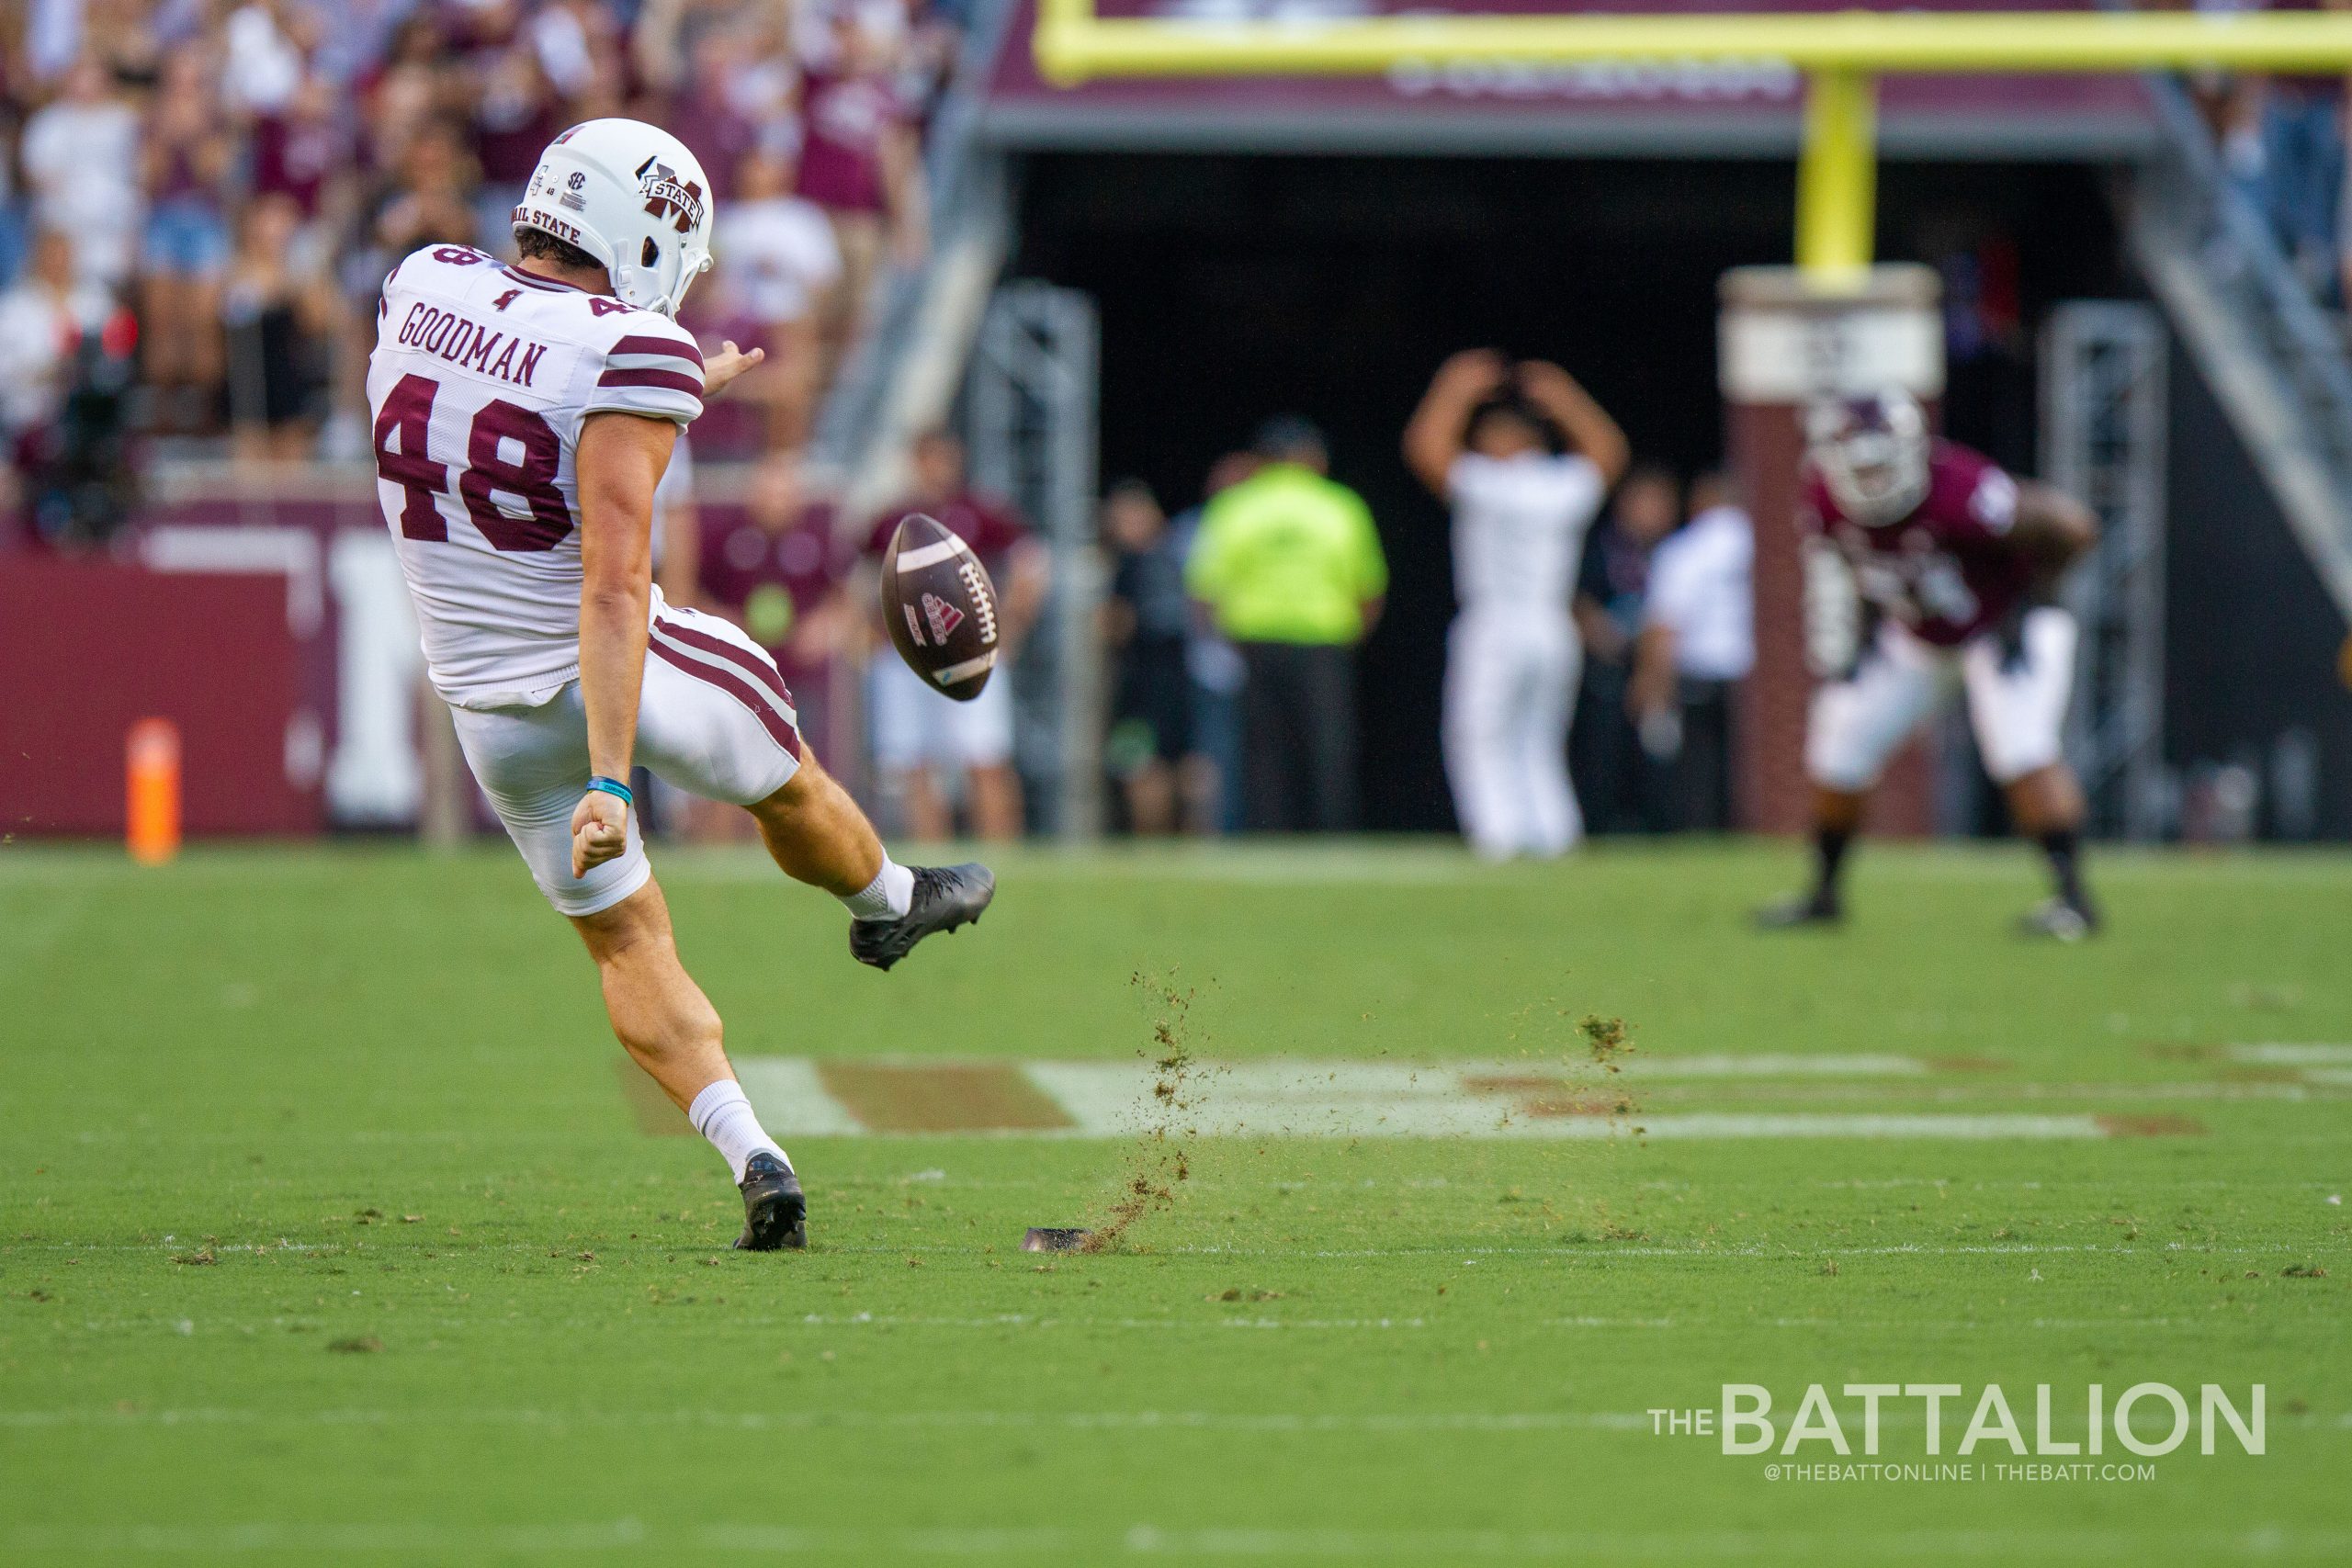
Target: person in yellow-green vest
x=1289, y=567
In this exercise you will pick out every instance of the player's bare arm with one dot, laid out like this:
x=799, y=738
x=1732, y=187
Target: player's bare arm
x=1588, y=425
x=1433, y=436
x=2052, y=527
x=621, y=456
x=1650, y=691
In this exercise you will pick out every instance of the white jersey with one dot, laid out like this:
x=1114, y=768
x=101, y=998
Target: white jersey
x=1519, y=526
x=480, y=379
x=1700, y=588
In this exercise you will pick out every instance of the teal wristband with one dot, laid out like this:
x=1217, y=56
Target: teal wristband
x=603, y=785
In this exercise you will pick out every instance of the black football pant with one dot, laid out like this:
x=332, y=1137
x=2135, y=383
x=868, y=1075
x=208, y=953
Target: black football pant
x=1702, y=768
x=1298, y=737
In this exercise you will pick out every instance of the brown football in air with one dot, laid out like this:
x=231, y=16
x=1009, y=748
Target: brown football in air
x=940, y=605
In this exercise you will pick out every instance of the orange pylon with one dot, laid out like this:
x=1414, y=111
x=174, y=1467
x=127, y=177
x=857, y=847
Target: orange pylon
x=151, y=774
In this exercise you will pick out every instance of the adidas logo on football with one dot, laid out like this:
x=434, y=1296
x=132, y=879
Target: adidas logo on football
x=944, y=619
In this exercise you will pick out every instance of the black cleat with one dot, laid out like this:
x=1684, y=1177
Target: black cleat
x=946, y=897
x=2059, y=920
x=1803, y=910
x=775, y=1212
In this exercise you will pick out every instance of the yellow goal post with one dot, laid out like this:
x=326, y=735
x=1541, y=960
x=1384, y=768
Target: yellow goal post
x=1842, y=52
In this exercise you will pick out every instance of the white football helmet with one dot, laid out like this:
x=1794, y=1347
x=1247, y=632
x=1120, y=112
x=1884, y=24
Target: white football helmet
x=631, y=195
x=1872, y=453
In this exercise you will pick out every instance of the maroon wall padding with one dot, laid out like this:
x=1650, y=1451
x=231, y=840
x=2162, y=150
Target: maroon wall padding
x=89, y=648
x=1768, y=782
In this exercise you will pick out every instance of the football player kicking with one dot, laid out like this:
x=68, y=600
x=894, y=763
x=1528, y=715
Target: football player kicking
x=523, y=416
x=1926, y=567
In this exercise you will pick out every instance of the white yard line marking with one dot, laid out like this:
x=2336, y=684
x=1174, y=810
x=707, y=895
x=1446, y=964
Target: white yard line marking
x=1603, y=1252
x=2272, y=1054
x=1183, y=1542
x=1514, y=1099
x=887, y=1421
x=1566, y=1251
x=792, y=1099
x=1769, y=1066
x=212, y=1325
x=1997, y=1093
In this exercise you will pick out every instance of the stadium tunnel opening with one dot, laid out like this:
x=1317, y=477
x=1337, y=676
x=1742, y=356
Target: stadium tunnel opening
x=1234, y=287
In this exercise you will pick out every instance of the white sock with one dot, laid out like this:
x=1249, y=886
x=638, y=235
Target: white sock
x=722, y=1114
x=889, y=897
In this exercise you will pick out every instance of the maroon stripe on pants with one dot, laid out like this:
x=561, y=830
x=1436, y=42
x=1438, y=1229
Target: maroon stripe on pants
x=780, y=728
x=720, y=648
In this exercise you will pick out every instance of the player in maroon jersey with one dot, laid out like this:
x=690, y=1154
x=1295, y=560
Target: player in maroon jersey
x=1927, y=567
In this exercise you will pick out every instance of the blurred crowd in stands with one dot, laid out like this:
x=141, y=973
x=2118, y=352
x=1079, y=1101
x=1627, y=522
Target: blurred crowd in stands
x=2283, y=139
x=198, y=198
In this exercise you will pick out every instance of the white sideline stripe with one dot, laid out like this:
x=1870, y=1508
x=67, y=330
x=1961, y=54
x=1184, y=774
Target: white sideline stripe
x=791, y=1099
x=2276, y=1055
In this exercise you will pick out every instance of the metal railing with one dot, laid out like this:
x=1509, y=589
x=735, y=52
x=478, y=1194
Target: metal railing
x=2274, y=359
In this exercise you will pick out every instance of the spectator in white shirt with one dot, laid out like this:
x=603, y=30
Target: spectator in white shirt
x=43, y=319
x=1484, y=440
x=779, y=264
x=81, y=157
x=1698, y=641
x=46, y=318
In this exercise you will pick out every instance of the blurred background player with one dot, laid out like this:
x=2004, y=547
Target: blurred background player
x=1289, y=567
x=773, y=568
x=1216, y=674
x=776, y=570
x=1483, y=439
x=916, y=730
x=1622, y=788
x=1926, y=565
x=1147, y=624
x=1698, y=642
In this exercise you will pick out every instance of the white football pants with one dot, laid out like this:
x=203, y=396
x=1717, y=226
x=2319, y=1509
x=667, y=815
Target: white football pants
x=2018, y=710
x=1510, y=690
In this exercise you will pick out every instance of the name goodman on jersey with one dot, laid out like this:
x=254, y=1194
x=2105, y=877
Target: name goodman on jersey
x=466, y=342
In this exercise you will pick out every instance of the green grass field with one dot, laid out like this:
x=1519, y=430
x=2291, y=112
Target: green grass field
x=328, y=1233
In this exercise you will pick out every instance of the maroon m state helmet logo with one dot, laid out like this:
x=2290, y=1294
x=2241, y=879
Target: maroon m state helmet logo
x=667, y=197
